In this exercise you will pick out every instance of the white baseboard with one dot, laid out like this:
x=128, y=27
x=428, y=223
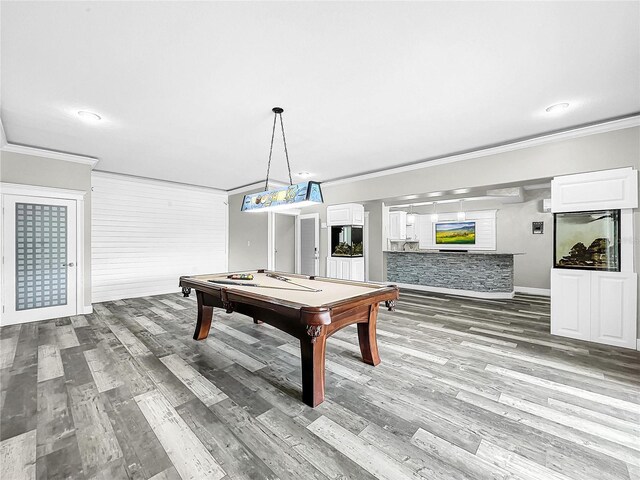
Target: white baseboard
x=638, y=344
x=545, y=292
x=87, y=310
x=455, y=291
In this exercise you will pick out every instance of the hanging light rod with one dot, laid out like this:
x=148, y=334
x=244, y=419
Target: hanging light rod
x=293, y=196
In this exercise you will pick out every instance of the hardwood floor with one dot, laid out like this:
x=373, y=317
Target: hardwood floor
x=467, y=389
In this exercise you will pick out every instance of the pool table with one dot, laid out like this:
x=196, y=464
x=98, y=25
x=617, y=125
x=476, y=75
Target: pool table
x=308, y=308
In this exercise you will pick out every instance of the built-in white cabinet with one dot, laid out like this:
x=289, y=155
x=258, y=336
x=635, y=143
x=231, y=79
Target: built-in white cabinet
x=571, y=303
x=345, y=214
x=613, y=308
x=344, y=268
x=594, y=306
x=397, y=225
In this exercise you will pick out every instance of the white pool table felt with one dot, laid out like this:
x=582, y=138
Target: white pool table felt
x=330, y=291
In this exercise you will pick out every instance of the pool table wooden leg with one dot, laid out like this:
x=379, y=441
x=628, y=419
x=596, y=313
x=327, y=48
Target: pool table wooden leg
x=312, y=351
x=205, y=315
x=367, y=338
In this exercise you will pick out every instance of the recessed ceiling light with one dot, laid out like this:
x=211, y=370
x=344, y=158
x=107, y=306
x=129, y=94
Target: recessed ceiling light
x=89, y=116
x=557, y=108
x=305, y=174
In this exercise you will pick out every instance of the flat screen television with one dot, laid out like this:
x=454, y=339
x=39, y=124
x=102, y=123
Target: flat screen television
x=456, y=233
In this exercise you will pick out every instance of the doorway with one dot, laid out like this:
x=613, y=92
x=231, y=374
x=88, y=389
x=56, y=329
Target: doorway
x=284, y=228
x=308, y=244
x=41, y=250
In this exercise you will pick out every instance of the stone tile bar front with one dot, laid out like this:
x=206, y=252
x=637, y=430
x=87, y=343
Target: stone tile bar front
x=487, y=274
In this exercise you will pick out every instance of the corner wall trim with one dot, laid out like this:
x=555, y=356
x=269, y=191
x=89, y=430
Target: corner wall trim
x=41, y=152
x=87, y=310
x=545, y=292
x=453, y=291
x=638, y=344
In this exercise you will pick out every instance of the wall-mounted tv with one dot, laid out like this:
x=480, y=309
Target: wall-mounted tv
x=456, y=233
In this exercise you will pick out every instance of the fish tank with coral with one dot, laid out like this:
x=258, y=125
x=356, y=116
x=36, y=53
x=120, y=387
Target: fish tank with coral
x=587, y=240
x=346, y=241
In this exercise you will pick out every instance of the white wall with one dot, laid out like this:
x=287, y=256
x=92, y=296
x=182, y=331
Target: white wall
x=248, y=236
x=147, y=233
x=48, y=172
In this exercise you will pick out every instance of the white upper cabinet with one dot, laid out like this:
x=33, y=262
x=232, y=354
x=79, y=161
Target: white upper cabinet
x=345, y=214
x=397, y=225
x=608, y=189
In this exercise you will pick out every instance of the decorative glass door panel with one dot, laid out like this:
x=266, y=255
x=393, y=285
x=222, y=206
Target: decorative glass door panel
x=41, y=255
x=40, y=258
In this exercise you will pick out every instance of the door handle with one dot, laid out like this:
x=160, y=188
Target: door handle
x=70, y=264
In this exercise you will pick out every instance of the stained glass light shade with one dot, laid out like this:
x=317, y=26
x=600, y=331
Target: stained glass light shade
x=293, y=196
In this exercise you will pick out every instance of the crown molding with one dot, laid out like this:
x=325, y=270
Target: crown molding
x=40, y=152
x=603, y=127
x=154, y=181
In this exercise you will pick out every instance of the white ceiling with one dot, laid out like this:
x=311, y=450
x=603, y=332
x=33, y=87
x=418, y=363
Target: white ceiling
x=186, y=89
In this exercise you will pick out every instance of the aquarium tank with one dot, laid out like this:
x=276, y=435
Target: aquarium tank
x=346, y=241
x=587, y=240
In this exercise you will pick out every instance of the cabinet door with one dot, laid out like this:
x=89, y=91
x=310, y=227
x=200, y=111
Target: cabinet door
x=357, y=270
x=403, y=228
x=424, y=233
x=332, y=268
x=394, y=226
x=411, y=232
x=570, y=303
x=613, y=308
x=339, y=215
x=345, y=270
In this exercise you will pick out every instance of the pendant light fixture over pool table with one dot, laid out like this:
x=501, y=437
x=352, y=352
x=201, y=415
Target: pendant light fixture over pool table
x=292, y=196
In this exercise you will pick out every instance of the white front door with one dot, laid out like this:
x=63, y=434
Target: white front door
x=308, y=244
x=39, y=251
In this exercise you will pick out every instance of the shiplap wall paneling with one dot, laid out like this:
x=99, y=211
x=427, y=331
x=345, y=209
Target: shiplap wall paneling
x=485, y=230
x=146, y=233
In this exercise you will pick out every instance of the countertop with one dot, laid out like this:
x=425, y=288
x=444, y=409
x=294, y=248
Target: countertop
x=471, y=252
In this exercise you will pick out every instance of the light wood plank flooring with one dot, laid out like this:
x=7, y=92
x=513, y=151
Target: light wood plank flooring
x=467, y=389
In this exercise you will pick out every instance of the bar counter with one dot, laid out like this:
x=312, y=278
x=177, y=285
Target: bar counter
x=485, y=274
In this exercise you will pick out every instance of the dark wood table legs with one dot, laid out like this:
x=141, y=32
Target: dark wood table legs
x=205, y=315
x=367, y=338
x=312, y=353
x=313, y=339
